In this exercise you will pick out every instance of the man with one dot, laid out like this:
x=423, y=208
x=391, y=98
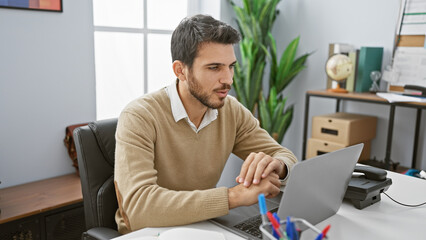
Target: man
x=172, y=145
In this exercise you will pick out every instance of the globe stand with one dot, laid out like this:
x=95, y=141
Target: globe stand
x=338, y=68
x=337, y=89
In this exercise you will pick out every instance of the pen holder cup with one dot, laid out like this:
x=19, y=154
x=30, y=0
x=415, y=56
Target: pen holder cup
x=301, y=224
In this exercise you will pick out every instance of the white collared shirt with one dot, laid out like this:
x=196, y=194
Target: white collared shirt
x=179, y=111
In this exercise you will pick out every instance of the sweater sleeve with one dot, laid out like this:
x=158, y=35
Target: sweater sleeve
x=252, y=138
x=142, y=202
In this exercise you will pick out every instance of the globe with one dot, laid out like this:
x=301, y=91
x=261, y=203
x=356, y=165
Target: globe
x=338, y=68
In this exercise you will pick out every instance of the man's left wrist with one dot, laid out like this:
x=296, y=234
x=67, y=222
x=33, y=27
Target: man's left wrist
x=283, y=171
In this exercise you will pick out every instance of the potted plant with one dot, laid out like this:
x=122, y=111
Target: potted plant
x=257, y=47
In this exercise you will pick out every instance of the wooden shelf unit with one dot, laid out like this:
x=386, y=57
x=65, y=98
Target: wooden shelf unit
x=46, y=209
x=368, y=98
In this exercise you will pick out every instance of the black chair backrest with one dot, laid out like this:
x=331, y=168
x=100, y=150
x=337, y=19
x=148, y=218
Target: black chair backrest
x=95, y=145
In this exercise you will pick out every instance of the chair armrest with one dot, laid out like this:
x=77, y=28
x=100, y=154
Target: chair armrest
x=102, y=233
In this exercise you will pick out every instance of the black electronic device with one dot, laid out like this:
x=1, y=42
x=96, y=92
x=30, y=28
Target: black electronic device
x=364, y=189
x=415, y=88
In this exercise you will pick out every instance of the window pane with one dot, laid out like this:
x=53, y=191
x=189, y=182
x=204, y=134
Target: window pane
x=118, y=13
x=160, y=71
x=167, y=15
x=119, y=71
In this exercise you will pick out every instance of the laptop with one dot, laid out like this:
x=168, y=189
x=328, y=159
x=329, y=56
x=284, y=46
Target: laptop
x=314, y=192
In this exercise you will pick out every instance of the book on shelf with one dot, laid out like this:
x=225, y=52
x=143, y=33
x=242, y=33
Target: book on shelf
x=337, y=48
x=369, y=60
x=350, y=81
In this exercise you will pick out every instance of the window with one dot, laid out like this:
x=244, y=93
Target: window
x=132, y=47
x=131, y=57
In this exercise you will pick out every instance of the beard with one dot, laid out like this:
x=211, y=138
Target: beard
x=196, y=90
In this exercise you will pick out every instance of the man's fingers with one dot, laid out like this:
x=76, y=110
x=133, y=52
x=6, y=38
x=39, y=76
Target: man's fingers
x=273, y=166
x=276, y=182
x=258, y=166
x=262, y=165
x=273, y=187
x=273, y=191
x=245, y=167
x=254, y=165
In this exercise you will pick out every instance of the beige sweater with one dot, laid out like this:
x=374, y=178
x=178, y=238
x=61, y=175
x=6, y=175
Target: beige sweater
x=166, y=173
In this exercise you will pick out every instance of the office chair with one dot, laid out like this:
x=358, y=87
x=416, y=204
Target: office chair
x=95, y=145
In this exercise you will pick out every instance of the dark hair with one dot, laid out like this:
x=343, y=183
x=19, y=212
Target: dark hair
x=196, y=30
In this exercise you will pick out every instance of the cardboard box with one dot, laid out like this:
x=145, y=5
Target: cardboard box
x=344, y=128
x=318, y=146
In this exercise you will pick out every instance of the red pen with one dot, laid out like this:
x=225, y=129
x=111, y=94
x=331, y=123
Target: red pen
x=324, y=232
x=275, y=224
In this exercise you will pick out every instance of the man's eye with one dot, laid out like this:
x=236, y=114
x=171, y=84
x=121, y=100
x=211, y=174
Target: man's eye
x=214, y=68
x=231, y=66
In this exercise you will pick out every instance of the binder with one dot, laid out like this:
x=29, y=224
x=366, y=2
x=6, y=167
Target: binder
x=350, y=81
x=370, y=59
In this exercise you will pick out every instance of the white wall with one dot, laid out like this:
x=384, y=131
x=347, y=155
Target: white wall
x=47, y=81
x=361, y=23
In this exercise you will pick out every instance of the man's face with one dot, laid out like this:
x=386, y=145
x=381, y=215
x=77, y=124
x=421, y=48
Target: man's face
x=210, y=78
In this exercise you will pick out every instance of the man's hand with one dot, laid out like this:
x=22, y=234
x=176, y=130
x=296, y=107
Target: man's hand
x=246, y=196
x=258, y=166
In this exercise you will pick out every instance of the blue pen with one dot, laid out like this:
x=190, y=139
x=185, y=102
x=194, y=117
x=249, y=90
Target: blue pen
x=295, y=232
x=319, y=237
x=289, y=229
x=292, y=233
x=262, y=207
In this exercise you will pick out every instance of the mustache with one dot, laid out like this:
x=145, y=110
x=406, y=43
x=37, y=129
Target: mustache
x=224, y=87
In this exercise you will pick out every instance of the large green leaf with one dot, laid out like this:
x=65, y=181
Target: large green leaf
x=265, y=118
x=264, y=16
x=297, y=66
x=286, y=62
x=272, y=102
x=273, y=59
x=277, y=114
x=285, y=123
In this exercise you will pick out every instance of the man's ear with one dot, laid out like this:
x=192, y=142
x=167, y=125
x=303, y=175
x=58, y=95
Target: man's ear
x=180, y=70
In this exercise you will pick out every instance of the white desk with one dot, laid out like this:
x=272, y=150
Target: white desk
x=382, y=220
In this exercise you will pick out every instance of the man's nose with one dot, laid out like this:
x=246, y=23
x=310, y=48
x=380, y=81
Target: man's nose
x=227, y=77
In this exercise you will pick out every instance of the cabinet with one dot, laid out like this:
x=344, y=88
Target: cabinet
x=369, y=98
x=50, y=209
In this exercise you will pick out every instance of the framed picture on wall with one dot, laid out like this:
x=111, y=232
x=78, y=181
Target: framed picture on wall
x=42, y=5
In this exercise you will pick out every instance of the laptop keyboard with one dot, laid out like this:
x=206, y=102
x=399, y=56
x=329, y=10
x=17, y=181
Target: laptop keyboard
x=251, y=225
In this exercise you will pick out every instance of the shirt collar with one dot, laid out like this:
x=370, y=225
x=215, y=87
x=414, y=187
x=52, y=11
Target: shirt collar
x=179, y=112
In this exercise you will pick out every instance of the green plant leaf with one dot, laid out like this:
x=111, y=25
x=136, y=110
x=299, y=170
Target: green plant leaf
x=265, y=119
x=285, y=123
x=278, y=112
x=297, y=67
x=272, y=100
x=247, y=6
x=238, y=85
x=273, y=57
x=286, y=61
x=257, y=82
